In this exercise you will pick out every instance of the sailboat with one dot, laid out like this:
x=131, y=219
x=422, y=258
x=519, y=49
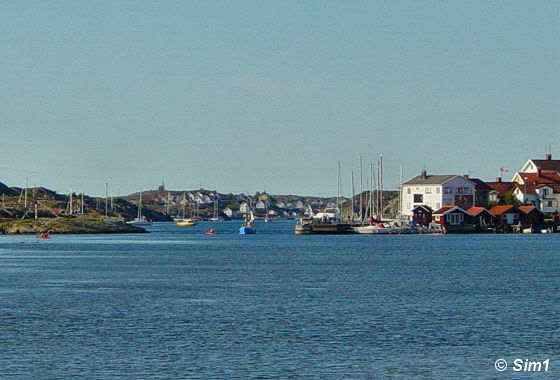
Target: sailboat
x=140, y=220
x=185, y=222
x=266, y=213
x=215, y=217
x=248, y=227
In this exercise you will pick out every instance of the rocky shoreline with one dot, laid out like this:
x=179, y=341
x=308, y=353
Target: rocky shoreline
x=67, y=225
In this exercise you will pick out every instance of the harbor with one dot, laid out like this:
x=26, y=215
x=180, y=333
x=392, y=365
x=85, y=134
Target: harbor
x=424, y=204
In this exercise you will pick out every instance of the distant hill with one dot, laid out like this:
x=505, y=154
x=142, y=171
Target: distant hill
x=7, y=191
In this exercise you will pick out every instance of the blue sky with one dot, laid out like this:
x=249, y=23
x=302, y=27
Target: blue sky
x=248, y=95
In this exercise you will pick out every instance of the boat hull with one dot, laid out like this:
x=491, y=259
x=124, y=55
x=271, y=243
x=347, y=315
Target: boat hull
x=139, y=223
x=185, y=223
x=247, y=231
x=331, y=229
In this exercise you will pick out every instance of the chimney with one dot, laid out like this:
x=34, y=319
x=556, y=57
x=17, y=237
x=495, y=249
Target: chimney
x=424, y=174
x=499, y=179
x=466, y=176
x=548, y=156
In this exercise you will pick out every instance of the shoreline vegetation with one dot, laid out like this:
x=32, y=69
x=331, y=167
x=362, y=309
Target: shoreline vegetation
x=67, y=225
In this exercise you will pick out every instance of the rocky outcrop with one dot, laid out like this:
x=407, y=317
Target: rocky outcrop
x=67, y=225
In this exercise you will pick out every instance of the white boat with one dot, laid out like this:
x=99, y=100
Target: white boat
x=366, y=230
x=216, y=216
x=140, y=220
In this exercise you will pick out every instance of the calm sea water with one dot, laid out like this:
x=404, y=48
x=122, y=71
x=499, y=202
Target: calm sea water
x=176, y=304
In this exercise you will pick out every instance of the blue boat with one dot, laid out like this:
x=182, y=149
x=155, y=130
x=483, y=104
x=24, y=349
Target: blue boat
x=248, y=228
x=245, y=230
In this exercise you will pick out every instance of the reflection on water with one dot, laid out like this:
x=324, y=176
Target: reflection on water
x=176, y=304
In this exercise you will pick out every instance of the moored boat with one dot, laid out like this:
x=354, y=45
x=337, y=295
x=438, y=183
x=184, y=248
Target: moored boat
x=140, y=220
x=248, y=227
x=187, y=222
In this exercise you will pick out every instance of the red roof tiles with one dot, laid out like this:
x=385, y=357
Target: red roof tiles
x=501, y=209
x=475, y=211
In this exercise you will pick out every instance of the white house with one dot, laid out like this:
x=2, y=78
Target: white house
x=228, y=212
x=436, y=191
x=244, y=208
x=538, y=182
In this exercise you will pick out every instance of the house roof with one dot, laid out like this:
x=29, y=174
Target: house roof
x=532, y=181
x=527, y=209
x=547, y=164
x=427, y=208
x=500, y=187
x=501, y=209
x=544, y=176
x=430, y=179
x=447, y=209
x=479, y=184
x=475, y=211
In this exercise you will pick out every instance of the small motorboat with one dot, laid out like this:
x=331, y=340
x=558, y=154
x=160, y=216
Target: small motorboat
x=210, y=232
x=185, y=222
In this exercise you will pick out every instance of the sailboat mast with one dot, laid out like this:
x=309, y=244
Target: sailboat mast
x=361, y=191
x=371, y=190
x=106, y=199
x=70, y=201
x=381, y=181
x=338, y=185
x=140, y=207
x=400, y=193
x=353, y=195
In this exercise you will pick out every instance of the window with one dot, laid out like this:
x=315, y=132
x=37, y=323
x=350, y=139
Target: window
x=455, y=218
x=447, y=190
x=460, y=190
x=409, y=190
x=438, y=190
x=418, y=198
x=548, y=203
x=428, y=190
